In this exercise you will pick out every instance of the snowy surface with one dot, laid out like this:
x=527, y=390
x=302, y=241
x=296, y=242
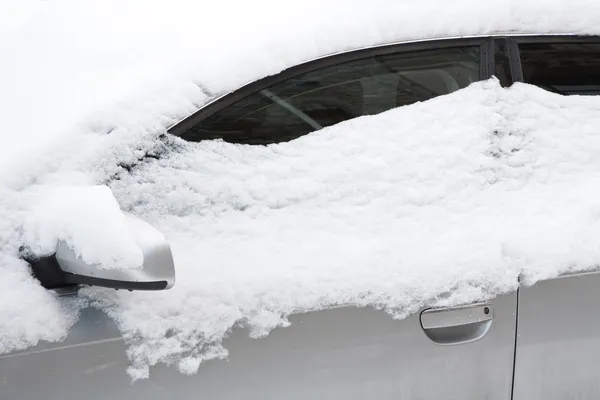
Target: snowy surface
x=396, y=210
x=443, y=202
x=71, y=67
x=88, y=220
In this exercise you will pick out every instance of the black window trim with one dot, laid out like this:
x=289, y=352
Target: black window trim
x=222, y=102
x=515, y=60
x=488, y=62
x=487, y=65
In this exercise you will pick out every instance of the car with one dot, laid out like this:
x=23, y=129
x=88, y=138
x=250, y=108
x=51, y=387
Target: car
x=537, y=341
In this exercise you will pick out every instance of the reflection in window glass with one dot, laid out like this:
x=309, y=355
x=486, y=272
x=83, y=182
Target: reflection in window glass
x=502, y=62
x=565, y=68
x=324, y=97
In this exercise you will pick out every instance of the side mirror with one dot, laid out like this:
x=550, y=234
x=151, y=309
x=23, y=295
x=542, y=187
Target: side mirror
x=65, y=268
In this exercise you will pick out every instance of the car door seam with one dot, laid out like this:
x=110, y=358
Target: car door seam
x=514, y=367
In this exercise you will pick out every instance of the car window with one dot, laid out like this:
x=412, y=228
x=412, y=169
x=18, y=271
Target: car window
x=565, y=68
x=323, y=97
x=502, y=69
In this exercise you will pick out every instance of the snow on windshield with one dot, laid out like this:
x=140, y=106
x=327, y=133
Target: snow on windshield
x=443, y=202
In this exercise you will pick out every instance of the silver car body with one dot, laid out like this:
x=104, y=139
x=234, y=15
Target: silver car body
x=540, y=342
x=351, y=353
x=346, y=352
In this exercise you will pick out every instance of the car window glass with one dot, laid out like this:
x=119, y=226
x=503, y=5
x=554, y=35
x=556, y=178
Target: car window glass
x=311, y=101
x=565, y=68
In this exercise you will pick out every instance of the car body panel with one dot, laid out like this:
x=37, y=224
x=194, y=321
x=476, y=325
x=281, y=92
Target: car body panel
x=558, y=343
x=350, y=352
x=346, y=352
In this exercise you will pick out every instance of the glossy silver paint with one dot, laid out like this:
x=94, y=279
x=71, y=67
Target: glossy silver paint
x=157, y=265
x=342, y=353
x=352, y=353
x=558, y=343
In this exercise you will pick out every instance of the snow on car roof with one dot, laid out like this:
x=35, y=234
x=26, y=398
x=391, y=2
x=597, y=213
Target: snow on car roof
x=76, y=63
x=391, y=210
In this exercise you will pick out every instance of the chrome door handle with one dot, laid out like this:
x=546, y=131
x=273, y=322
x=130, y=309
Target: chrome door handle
x=457, y=325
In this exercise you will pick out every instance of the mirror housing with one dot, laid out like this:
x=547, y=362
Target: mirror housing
x=65, y=268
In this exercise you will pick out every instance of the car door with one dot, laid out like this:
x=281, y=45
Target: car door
x=463, y=352
x=345, y=352
x=558, y=340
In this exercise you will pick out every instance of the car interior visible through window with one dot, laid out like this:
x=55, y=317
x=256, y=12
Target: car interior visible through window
x=324, y=97
x=564, y=68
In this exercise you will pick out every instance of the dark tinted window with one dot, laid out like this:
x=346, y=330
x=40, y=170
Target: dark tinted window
x=324, y=97
x=502, y=62
x=566, y=68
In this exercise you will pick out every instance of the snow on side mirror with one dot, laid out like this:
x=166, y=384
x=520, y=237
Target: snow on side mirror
x=157, y=272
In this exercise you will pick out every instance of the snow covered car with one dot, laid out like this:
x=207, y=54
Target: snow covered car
x=448, y=180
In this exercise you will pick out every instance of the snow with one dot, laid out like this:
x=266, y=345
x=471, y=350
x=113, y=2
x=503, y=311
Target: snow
x=398, y=211
x=86, y=219
x=74, y=67
x=395, y=210
x=14, y=14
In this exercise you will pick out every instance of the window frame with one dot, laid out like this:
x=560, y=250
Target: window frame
x=486, y=68
x=486, y=45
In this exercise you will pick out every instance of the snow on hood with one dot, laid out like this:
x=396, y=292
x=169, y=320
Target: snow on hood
x=398, y=210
